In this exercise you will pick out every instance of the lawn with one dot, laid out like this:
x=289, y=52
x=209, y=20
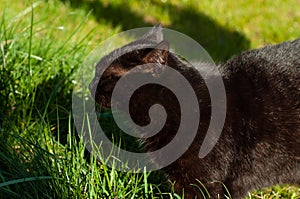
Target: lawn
x=43, y=45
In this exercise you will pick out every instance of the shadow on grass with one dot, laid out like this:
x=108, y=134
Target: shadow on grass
x=220, y=42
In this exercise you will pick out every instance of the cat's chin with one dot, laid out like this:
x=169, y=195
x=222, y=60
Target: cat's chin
x=106, y=106
x=102, y=102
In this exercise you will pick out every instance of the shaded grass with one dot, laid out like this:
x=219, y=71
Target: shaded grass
x=43, y=44
x=218, y=40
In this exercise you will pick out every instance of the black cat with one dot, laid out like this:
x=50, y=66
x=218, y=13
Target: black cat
x=260, y=142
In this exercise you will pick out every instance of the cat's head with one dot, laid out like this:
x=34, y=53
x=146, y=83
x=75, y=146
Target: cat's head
x=151, y=48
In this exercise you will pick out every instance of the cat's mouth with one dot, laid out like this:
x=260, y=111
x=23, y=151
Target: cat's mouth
x=101, y=96
x=103, y=100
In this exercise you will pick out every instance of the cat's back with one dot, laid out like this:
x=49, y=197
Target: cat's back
x=273, y=60
x=273, y=70
x=264, y=88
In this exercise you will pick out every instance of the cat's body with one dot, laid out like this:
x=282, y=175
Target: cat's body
x=260, y=142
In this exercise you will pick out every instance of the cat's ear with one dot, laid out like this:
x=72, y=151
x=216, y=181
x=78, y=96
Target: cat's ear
x=159, y=54
x=155, y=34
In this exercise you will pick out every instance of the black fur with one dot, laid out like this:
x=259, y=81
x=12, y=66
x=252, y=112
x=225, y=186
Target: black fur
x=260, y=143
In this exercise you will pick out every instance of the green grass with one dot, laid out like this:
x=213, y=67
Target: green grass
x=43, y=44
